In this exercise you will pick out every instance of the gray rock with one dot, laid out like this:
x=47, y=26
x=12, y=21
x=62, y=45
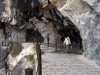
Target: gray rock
x=2, y=71
x=3, y=53
x=95, y=4
x=18, y=69
x=2, y=65
x=97, y=55
x=87, y=20
x=3, y=59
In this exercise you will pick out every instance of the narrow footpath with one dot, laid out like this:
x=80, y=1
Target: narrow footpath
x=62, y=63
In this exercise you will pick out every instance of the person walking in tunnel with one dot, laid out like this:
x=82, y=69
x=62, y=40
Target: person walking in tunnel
x=48, y=39
x=67, y=42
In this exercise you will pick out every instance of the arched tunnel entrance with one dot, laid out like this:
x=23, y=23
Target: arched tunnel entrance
x=73, y=33
x=76, y=41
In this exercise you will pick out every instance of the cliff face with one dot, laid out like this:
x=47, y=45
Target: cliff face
x=79, y=19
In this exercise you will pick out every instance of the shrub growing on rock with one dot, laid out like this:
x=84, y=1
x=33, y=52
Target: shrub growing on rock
x=16, y=49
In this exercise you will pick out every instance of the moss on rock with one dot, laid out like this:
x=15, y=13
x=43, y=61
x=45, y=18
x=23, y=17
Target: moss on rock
x=16, y=49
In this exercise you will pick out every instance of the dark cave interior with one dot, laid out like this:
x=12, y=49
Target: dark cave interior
x=33, y=36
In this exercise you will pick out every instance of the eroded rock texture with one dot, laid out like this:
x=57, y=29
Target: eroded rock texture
x=78, y=19
x=86, y=17
x=95, y=4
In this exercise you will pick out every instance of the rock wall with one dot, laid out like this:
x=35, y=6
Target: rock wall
x=3, y=60
x=17, y=36
x=87, y=19
x=45, y=27
x=18, y=64
x=95, y=4
x=12, y=35
x=7, y=11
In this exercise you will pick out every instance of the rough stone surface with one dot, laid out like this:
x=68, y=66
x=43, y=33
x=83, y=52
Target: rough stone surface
x=3, y=53
x=7, y=11
x=19, y=69
x=2, y=71
x=87, y=21
x=3, y=59
x=46, y=28
x=12, y=34
x=18, y=62
x=95, y=4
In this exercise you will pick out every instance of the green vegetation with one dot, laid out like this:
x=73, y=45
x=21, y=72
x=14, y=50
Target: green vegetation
x=16, y=49
x=30, y=58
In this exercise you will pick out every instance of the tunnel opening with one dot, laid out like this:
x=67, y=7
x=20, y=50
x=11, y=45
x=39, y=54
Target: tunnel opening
x=73, y=33
x=33, y=36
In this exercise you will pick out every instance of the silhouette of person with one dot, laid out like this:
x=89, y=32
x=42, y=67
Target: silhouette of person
x=67, y=42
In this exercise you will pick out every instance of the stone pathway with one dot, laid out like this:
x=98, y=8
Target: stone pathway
x=62, y=63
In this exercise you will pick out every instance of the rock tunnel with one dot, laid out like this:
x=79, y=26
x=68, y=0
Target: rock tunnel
x=62, y=25
x=36, y=18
